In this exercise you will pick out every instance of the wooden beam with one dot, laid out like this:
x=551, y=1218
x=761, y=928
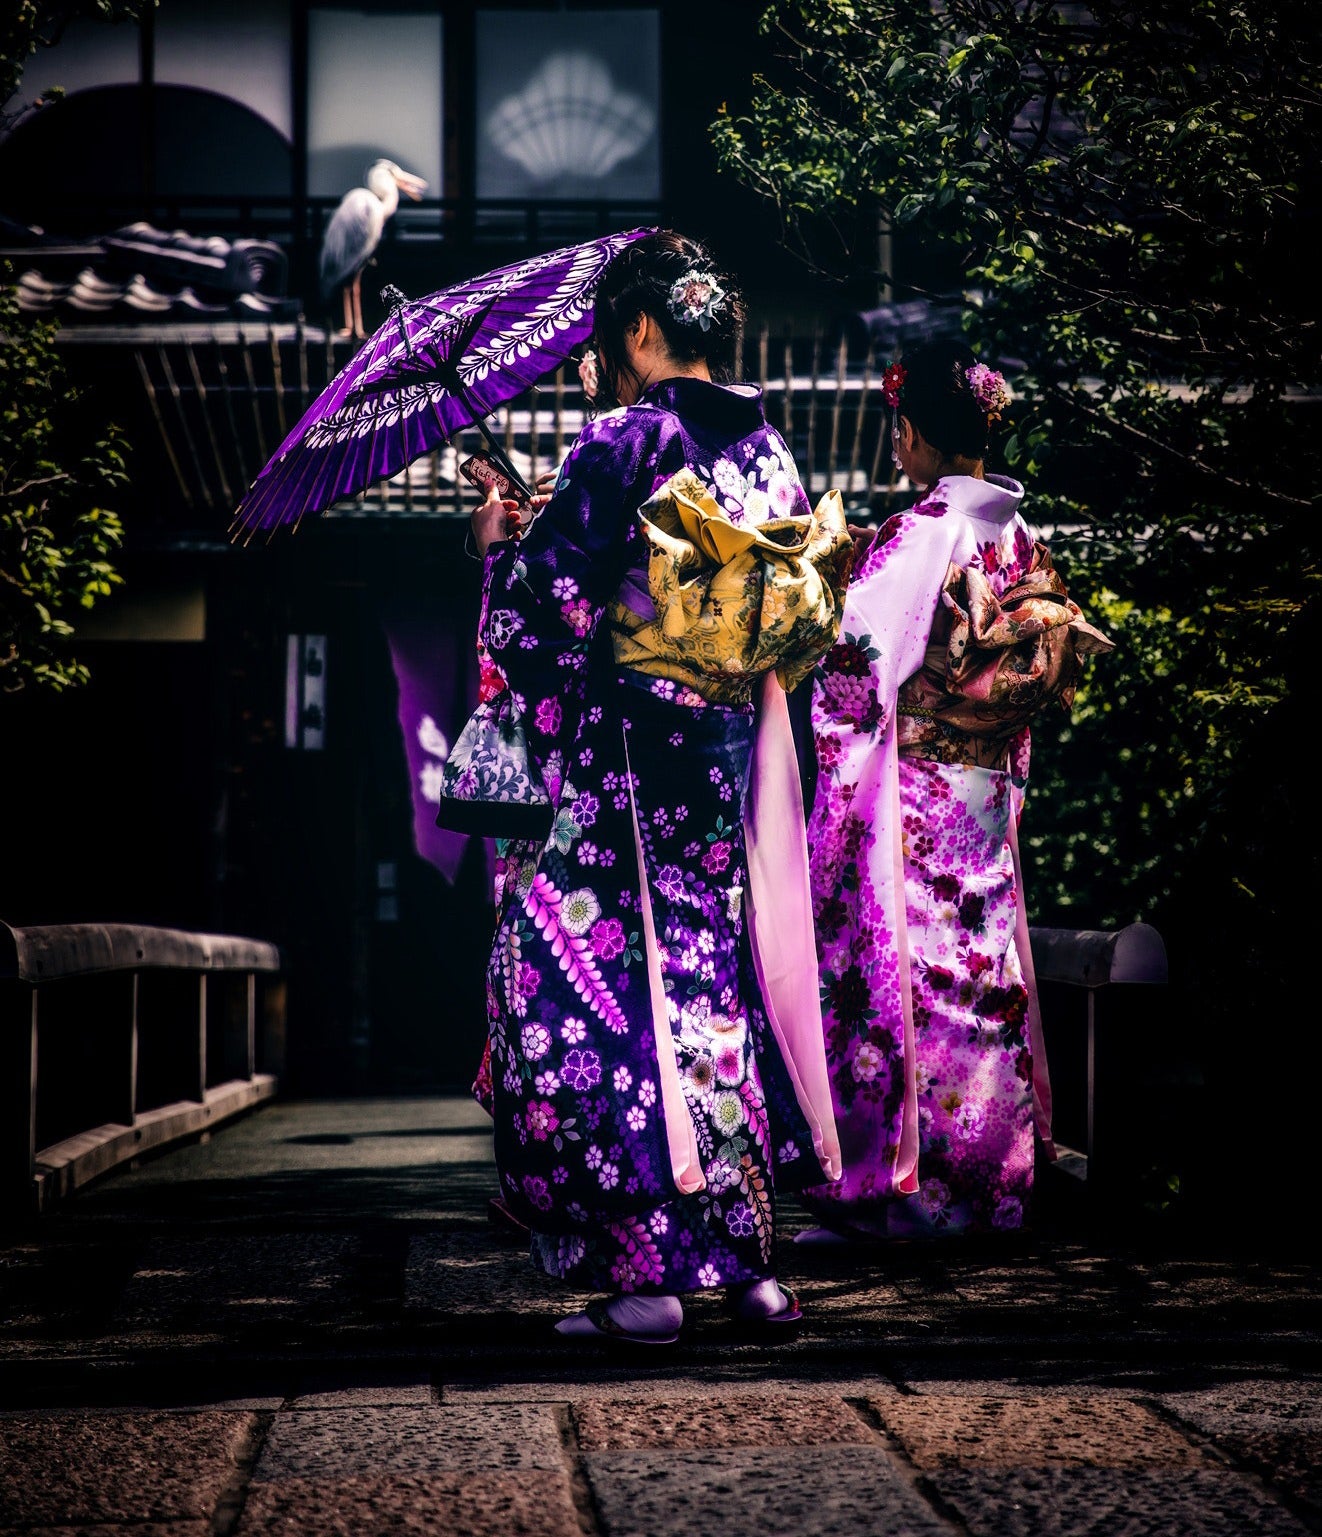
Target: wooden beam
x=66, y=1166
x=43, y=953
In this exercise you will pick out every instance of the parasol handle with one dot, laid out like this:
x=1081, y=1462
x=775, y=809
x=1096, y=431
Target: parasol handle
x=450, y=374
x=501, y=458
x=396, y=300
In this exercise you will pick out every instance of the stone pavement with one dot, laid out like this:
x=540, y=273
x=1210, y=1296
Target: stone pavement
x=308, y=1326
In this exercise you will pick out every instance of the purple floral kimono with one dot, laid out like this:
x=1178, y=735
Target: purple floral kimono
x=645, y=1110
x=928, y=999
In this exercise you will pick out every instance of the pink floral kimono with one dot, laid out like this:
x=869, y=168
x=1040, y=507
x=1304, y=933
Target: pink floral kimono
x=933, y=1036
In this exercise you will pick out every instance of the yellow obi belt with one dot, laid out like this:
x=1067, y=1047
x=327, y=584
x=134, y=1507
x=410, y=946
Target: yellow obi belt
x=733, y=600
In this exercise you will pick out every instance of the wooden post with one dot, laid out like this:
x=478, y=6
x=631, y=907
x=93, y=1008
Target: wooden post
x=860, y=422
x=250, y=1022
x=228, y=396
x=201, y=1084
x=278, y=379
x=177, y=396
x=558, y=428
x=18, y=1093
x=130, y=1115
x=534, y=395
x=302, y=333
x=875, y=471
x=251, y=375
x=810, y=458
x=160, y=422
x=457, y=442
x=841, y=366
x=200, y=390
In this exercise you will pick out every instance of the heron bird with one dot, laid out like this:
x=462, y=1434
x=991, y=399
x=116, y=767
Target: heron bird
x=355, y=231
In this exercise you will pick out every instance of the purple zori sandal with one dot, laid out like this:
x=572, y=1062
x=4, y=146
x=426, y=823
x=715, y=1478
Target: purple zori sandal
x=615, y=1333
x=770, y=1327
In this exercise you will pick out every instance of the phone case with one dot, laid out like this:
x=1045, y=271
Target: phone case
x=482, y=472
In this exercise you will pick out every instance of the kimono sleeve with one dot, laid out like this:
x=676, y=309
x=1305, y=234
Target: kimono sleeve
x=545, y=593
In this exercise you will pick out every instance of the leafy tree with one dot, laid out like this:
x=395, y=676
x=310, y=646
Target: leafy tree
x=37, y=24
x=1126, y=193
x=55, y=537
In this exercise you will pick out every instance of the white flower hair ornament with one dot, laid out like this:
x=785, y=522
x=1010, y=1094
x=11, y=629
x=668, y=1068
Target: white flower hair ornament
x=695, y=299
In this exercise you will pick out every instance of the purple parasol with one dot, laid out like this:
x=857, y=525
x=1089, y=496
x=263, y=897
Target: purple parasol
x=437, y=365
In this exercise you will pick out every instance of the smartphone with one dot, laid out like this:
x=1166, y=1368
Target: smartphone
x=484, y=472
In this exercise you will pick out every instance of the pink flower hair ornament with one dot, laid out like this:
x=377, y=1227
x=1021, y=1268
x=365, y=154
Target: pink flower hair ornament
x=695, y=298
x=989, y=390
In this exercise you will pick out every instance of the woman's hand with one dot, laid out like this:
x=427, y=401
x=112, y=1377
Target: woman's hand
x=494, y=520
x=864, y=537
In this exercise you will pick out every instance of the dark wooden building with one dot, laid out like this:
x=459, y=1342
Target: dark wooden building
x=238, y=761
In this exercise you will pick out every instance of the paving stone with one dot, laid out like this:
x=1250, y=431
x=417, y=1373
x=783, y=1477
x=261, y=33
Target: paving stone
x=1255, y=1405
x=342, y=1443
x=621, y=1384
x=382, y=1391
x=1112, y=1502
x=792, y=1492
x=524, y=1504
x=984, y=1384
x=1045, y=1431
x=468, y=1271
x=830, y=1298
x=1291, y=1462
x=1273, y=1427
x=198, y=1286
x=114, y=1529
x=67, y=1467
x=718, y=1419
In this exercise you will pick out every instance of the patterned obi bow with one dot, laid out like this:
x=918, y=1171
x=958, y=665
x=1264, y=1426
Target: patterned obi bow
x=732, y=601
x=1008, y=657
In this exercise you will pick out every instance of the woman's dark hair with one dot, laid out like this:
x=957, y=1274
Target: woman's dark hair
x=937, y=398
x=639, y=281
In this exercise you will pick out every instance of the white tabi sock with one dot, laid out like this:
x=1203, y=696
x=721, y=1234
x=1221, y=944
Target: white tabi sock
x=658, y=1317
x=759, y=1299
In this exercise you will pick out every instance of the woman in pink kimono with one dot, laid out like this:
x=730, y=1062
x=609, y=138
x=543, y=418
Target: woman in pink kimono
x=956, y=632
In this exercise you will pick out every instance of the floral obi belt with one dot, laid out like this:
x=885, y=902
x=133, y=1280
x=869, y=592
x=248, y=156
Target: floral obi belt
x=994, y=663
x=731, y=601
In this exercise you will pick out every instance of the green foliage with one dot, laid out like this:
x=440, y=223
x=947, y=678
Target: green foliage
x=55, y=536
x=35, y=24
x=1128, y=188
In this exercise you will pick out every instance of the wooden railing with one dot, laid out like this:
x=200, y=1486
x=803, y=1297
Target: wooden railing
x=117, y=1039
x=215, y=401
x=1102, y=999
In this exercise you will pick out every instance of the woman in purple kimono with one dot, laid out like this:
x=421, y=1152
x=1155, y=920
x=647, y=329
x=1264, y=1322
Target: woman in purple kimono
x=654, y=1072
x=956, y=633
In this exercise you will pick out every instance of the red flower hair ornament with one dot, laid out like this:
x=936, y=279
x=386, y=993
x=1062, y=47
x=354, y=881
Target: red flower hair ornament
x=892, y=381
